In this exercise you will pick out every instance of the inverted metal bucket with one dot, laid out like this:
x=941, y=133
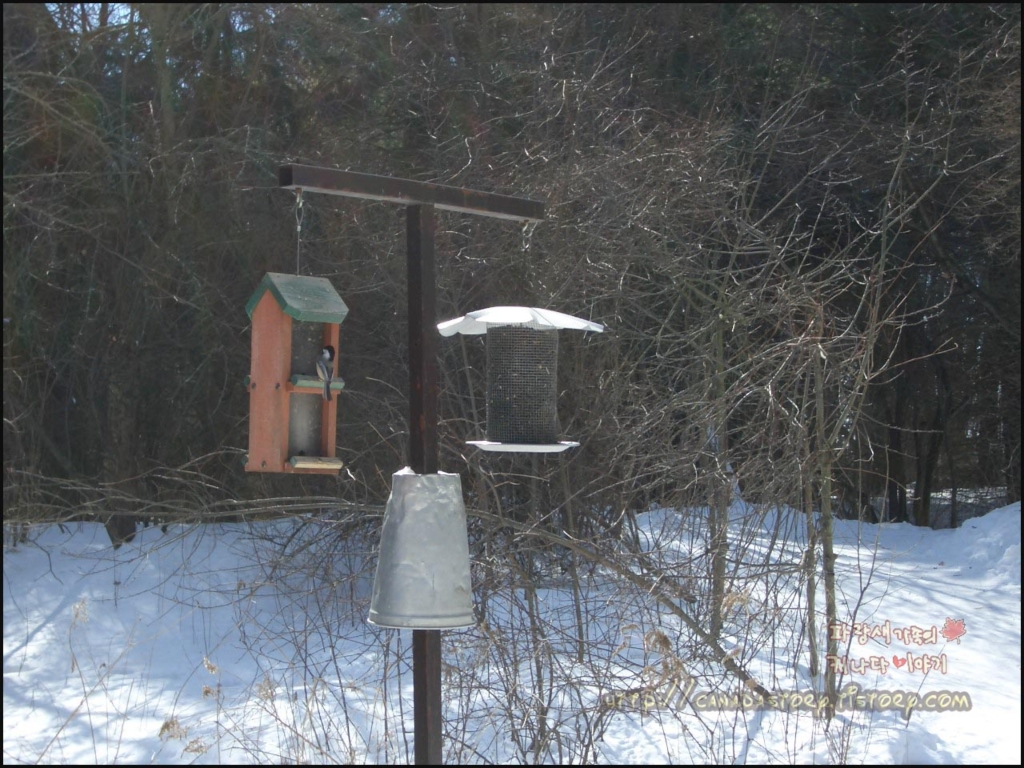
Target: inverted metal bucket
x=422, y=579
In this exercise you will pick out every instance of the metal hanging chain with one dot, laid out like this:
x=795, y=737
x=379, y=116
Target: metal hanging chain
x=298, y=228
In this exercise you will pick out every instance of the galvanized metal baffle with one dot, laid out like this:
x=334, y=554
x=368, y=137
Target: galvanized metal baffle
x=421, y=199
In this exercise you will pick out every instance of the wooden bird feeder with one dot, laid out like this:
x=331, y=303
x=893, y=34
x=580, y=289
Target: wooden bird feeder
x=291, y=427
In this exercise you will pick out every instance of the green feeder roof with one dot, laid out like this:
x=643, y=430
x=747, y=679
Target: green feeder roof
x=309, y=299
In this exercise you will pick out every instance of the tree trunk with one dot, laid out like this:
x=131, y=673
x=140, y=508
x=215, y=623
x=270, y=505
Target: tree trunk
x=828, y=552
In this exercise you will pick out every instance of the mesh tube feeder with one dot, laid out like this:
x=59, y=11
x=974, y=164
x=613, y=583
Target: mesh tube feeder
x=522, y=374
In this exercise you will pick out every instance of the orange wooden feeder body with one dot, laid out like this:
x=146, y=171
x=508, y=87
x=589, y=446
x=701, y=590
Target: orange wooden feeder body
x=291, y=427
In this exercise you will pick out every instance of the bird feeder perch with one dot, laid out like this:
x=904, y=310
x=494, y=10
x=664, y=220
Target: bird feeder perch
x=292, y=428
x=522, y=374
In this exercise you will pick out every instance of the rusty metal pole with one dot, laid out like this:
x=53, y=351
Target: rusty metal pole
x=422, y=339
x=426, y=643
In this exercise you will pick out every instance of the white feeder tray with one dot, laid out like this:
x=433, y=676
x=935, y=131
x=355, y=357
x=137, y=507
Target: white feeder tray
x=488, y=445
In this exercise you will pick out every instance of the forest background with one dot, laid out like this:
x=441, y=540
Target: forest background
x=800, y=224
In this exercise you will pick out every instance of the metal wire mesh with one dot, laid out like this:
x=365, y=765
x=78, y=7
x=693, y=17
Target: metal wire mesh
x=522, y=387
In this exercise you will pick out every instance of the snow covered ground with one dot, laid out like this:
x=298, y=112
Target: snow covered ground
x=205, y=645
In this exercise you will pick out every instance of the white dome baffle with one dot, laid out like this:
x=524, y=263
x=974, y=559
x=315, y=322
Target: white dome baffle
x=522, y=374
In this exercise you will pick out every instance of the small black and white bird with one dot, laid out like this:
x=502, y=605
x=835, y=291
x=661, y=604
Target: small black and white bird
x=325, y=369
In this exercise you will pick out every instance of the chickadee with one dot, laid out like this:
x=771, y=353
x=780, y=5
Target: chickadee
x=325, y=369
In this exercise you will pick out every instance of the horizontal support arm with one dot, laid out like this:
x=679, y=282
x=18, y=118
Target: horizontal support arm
x=407, y=192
